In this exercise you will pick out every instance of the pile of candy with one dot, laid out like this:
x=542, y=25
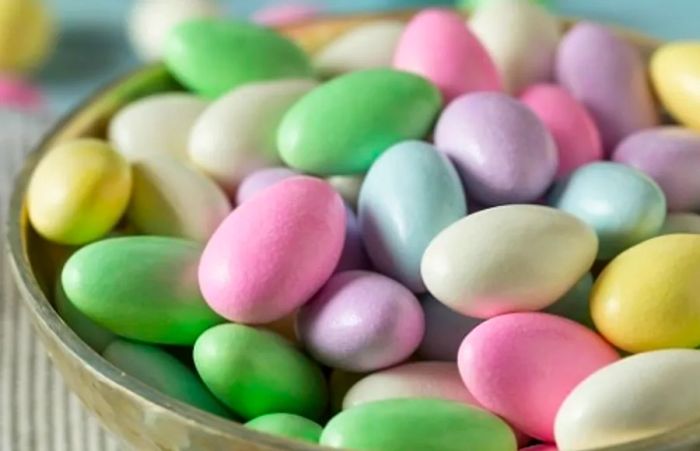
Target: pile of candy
x=427, y=250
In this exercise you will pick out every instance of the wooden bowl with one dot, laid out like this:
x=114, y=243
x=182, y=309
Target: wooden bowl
x=138, y=414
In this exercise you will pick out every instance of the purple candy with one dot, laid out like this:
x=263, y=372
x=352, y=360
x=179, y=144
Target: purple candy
x=259, y=180
x=608, y=76
x=502, y=151
x=445, y=330
x=361, y=321
x=354, y=255
x=671, y=156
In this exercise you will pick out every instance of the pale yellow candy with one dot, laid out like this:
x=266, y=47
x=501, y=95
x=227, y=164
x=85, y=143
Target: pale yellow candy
x=170, y=198
x=632, y=399
x=675, y=73
x=237, y=134
x=26, y=34
x=365, y=47
x=348, y=186
x=156, y=125
x=78, y=191
x=648, y=297
x=681, y=223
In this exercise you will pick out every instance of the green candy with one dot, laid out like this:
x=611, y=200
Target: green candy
x=575, y=303
x=213, y=56
x=287, y=425
x=471, y=5
x=155, y=367
x=342, y=126
x=256, y=372
x=96, y=336
x=140, y=287
x=420, y=424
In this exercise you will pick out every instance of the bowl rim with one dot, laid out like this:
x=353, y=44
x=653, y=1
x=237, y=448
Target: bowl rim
x=45, y=315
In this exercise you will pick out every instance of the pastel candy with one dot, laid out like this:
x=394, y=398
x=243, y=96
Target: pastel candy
x=426, y=424
x=156, y=125
x=285, y=14
x=256, y=372
x=26, y=35
x=608, y=76
x=539, y=360
x=164, y=372
x=637, y=397
x=681, y=223
x=500, y=148
x=444, y=330
x=574, y=305
x=438, y=380
x=214, y=56
x=521, y=37
x=78, y=191
x=287, y=425
x=518, y=258
x=18, y=93
x=675, y=71
x=150, y=22
x=575, y=133
x=645, y=299
x=272, y=253
x=261, y=179
x=140, y=287
x=172, y=199
x=623, y=205
x=410, y=194
x=368, y=46
x=383, y=326
x=96, y=336
x=439, y=46
x=237, y=134
x=473, y=4
x=670, y=156
x=329, y=131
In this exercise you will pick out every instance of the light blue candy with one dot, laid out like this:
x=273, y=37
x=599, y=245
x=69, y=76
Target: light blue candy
x=410, y=194
x=575, y=303
x=623, y=205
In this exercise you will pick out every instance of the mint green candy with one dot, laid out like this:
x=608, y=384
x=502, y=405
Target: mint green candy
x=96, y=336
x=420, y=424
x=155, y=367
x=214, y=56
x=471, y=5
x=140, y=287
x=342, y=126
x=287, y=425
x=256, y=372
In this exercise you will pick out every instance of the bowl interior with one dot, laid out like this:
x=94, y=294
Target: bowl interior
x=37, y=261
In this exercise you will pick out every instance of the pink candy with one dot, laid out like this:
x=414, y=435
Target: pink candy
x=438, y=45
x=272, y=253
x=15, y=92
x=285, y=14
x=521, y=366
x=572, y=127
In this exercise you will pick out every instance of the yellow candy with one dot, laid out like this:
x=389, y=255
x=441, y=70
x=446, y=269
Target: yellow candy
x=675, y=72
x=78, y=192
x=649, y=296
x=26, y=34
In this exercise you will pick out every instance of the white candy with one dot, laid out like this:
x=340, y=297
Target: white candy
x=365, y=47
x=151, y=21
x=170, y=198
x=506, y=259
x=237, y=134
x=637, y=397
x=156, y=125
x=522, y=39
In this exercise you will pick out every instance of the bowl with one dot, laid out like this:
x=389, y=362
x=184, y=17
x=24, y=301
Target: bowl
x=140, y=415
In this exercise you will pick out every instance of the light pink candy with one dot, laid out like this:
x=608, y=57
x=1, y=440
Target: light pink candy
x=522, y=366
x=438, y=45
x=271, y=254
x=285, y=14
x=15, y=92
x=574, y=131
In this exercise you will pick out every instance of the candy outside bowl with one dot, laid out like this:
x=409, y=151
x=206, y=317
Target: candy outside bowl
x=138, y=414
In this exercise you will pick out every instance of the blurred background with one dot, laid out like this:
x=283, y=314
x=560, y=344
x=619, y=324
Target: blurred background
x=92, y=43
